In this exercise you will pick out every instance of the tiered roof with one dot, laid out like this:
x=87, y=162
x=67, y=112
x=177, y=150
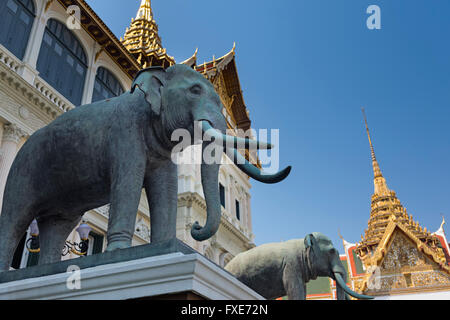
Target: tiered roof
x=396, y=255
x=143, y=41
x=403, y=256
x=384, y=205
x=222, y=73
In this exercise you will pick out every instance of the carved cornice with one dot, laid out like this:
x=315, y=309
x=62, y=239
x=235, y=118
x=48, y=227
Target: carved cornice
x=12, y=133
x=189, y=199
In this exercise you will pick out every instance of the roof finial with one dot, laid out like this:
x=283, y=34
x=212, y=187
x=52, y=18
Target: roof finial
x=442, y=224
x=145, y=10
x=379, y=181
x=368, y=135
x=345, y=243
x=340, y=235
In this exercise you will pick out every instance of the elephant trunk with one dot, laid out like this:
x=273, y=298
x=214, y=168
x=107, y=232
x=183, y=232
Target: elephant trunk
x=210, y=183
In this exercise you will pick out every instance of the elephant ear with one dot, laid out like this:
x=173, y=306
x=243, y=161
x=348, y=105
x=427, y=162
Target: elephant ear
x=310, y=241
x=151, y=82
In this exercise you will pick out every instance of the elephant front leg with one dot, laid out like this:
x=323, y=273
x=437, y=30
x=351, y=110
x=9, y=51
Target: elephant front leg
x=294, y=285
x=161, y=187
x=126, y=192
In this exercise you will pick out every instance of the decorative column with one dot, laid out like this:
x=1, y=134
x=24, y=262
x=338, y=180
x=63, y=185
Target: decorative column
x=89, y=80
x=88, y=90
x=12, y=135
x=28, y=68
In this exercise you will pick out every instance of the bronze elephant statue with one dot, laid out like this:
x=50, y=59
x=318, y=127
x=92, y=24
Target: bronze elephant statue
x=106, y=152
x=275, y=270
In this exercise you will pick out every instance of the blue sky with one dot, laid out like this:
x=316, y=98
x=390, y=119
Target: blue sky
x=307, y=67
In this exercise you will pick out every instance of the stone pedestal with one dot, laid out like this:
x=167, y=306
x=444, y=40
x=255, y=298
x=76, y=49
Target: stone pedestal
x=169, y=271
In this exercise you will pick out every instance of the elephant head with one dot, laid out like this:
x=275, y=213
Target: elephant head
x=324, y=261
x=179, y=97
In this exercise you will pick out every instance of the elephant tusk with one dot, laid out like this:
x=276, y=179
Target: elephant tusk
x=340, y=281
x=256, y=173
x=231, y=141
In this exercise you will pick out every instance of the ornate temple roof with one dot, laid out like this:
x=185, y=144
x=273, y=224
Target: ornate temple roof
x=143, y=41
x=403, y=256
x=222, y=73
x=384, y=205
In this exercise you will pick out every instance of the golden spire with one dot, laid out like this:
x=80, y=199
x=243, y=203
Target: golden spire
x=385, y=206
x=379, y=181
x=143, y=41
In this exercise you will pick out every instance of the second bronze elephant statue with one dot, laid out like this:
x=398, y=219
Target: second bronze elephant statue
x=275, y=270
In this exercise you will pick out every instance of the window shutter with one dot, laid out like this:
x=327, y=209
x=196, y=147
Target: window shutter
x=62, y=62
x=16, y=20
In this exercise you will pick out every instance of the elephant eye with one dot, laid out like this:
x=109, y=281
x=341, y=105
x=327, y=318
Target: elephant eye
x=196, y=89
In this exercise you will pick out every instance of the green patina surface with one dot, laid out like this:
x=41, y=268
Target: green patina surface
x=319, y=286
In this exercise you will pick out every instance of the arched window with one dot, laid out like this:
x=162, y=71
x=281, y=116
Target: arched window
x=16, y=20
x=62, y=61
x=222, y=195
x=106, y=85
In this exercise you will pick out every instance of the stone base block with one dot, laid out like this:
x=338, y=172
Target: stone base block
x=169, y=275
